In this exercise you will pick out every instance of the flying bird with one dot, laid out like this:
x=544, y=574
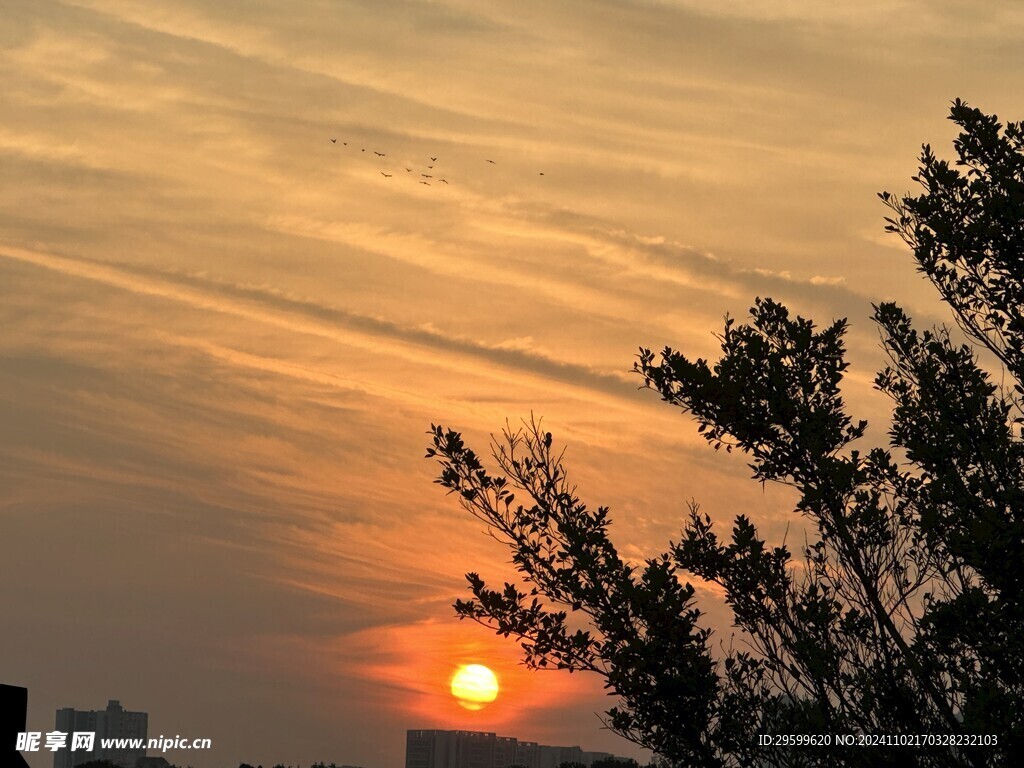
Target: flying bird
x=334, y=141
x=386, y=175
x=492, y=162
x=445, y=180
x=379, y=154
x=433, y=159
x=409, y=170
x=426, y=176
x=425, y=182
x=430, y=166
x=542, y=173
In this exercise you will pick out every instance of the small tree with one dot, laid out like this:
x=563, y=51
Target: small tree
x=615, y=762
x=904, y=617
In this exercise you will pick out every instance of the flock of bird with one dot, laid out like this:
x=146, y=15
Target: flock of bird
x=424, y=178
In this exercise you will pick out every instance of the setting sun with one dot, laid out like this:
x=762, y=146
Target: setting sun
x=474, y=686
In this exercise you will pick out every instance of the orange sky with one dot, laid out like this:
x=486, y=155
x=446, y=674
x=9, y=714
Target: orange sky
x=225, y=337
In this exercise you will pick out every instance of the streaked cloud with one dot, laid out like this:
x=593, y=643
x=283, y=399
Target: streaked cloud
x=225, y=336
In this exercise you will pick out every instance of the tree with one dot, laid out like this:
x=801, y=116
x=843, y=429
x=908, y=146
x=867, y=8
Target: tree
x=902, y=616
x=615, y=762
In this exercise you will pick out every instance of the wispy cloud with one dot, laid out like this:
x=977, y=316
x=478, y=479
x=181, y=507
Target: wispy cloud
x=302, y=316
x=225, y=335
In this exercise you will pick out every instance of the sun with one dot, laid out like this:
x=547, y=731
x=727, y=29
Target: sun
x=474, y=686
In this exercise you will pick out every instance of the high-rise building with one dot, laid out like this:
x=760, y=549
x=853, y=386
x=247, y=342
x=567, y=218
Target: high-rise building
x=114, y=722
x=476, y=749
x=504, y=750
x=449, y=749
x=13, y=715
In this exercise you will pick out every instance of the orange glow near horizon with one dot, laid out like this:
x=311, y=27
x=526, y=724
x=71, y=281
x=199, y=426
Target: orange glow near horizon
x=474, y=686
x=420, y=660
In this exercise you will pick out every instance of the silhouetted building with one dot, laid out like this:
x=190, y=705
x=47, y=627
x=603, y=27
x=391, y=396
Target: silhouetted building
x=13, y=716
x=114, y=722
x=504, y=750
x=476, y=749
x=449, y=749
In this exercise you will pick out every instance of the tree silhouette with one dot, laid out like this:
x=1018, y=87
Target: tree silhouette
x=902, y=617
x=614, y=762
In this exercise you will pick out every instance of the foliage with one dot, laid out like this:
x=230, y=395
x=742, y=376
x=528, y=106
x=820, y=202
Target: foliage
x=614, y=762
x=902, y=616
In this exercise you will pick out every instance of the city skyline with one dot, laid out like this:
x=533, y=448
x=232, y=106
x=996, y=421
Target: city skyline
x=484, y=749
x=425, y=748
x=250, y=253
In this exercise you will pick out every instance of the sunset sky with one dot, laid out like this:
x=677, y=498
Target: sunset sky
x=225, y=337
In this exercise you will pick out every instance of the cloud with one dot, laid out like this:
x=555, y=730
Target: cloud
x=314, y=318
x=225, y=336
